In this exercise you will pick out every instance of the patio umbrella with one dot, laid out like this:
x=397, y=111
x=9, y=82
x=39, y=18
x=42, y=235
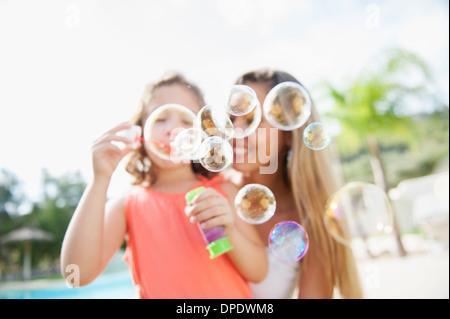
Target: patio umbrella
x=26, y=235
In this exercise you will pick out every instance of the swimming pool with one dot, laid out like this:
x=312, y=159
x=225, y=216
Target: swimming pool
x=107, y=286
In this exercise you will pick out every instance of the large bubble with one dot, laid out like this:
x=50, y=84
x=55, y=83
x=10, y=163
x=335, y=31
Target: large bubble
x=247, y=124
x=163, y=125
x=215, y=154
x=187, y=143
x=255, y=203
x=316, y=136
x=358, y=210
x=287, y=106
x=242, y=100
x=288, y=241
x=214, y=122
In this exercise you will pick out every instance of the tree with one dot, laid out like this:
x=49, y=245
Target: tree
x=374, y=106
x=53, y=213
x=11, y=197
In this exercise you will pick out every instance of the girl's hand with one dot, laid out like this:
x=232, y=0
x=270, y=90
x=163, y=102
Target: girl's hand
x=105, y=155
x=209, y=209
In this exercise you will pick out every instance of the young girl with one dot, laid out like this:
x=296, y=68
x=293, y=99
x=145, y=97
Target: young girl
x=165, y=249
x=302, y=185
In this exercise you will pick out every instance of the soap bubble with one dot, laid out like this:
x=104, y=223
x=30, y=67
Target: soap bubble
x=316, y=136
x=288, y=241
x=214, y=122
x=247, y=124
x=187, y=143
x=242, y=100
x=287, y=106
x=358, y=210
x=162, y=126
x=215, y=154
x=255, y=203
x=133, y=134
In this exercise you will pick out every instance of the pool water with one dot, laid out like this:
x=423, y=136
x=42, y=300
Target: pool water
x=116, y=285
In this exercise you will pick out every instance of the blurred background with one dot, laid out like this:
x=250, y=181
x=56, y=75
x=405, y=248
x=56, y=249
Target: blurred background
x=378, y=72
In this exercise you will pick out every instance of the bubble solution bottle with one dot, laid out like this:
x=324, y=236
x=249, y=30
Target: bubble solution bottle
x=217, y=241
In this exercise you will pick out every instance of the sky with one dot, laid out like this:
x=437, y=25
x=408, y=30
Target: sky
x=71, y=70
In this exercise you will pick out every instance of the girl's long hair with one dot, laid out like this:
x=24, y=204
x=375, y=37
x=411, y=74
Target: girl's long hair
x=138, y=163
x=311, y=181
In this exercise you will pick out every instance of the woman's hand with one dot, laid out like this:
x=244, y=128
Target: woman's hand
x=209, y=209
x=105, y=155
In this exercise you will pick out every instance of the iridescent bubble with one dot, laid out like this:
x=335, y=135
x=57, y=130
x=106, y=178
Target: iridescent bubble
x=358, y=210
x=255, y=203
x=247, y=124
x=288, y=241
x=242, y=100
x=187, y=143
x=287, y=106
x=316, y=136
x=214, y=122
x=215, y=154
x=163, y=125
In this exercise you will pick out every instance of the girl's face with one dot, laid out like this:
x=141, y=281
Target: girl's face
x=170, y=122
x=265, y=147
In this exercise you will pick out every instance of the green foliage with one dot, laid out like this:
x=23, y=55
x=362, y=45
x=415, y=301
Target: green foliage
x=11, y=197
x=375, y=103
x=430, y=154
x=51, y=214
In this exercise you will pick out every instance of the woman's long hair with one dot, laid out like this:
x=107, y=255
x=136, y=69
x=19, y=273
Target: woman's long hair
x=312, y=182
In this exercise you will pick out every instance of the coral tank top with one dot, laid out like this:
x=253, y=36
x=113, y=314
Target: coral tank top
x=167, y=255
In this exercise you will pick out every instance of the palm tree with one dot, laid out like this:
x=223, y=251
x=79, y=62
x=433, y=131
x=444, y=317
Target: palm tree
x=375, y=104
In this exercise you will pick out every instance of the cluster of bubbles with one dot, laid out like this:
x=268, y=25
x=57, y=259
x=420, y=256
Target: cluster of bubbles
x=356, y=210
x=204, y=137
x=158, y=133
x=256, y=204
x=288, y=106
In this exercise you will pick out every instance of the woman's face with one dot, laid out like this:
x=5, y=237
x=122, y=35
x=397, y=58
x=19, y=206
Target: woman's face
x=263, y=148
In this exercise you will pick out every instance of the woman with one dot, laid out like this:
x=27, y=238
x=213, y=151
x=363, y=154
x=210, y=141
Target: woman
x=302, y=184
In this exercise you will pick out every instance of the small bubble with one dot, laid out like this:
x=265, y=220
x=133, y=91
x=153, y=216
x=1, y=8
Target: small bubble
x=187, y=143
x=169, y=117
x=255, y=203
x=316, y=136
x=289, y=241
x=215, y=154
x=287, y=106
x=214, y=123
x=242, y=100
